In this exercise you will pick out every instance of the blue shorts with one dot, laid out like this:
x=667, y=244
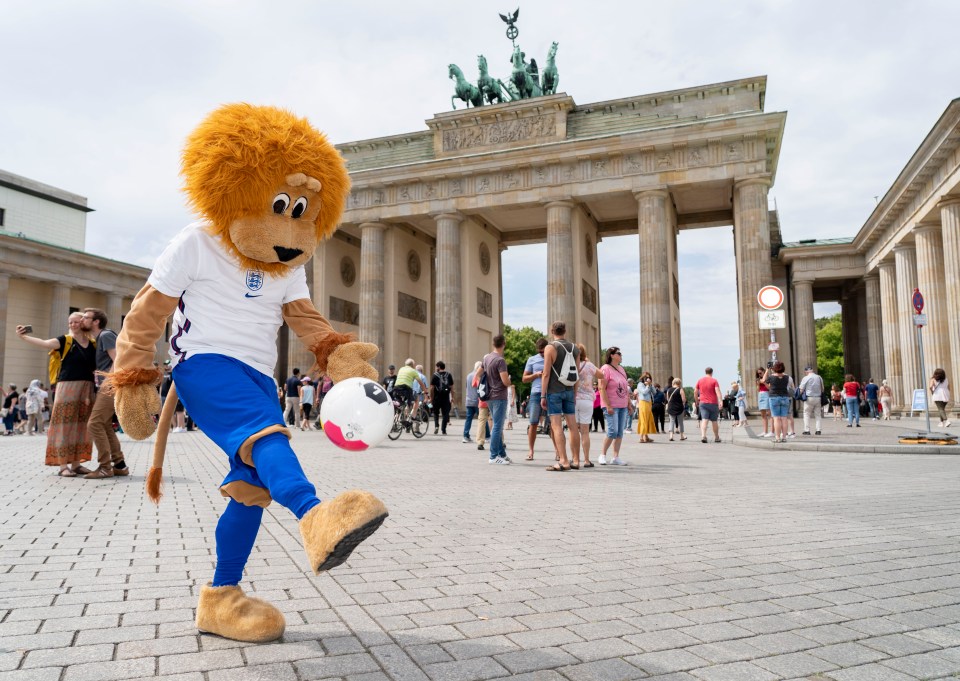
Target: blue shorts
x=252, y=405
x=533, y=407
x=779, y=406
x=709, y=411
x=763, y=398
x=562, y=403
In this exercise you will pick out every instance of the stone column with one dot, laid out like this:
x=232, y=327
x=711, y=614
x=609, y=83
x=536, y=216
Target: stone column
x=59, y=310
x=561, y=287
x=950, y=229
x=656, y=284
x=371, y=288
x=930, y=275
x=806, y=330
x=751, y=219
x=874, y=327
x=891, y=333
x=4, y=296
x=851, y=342
x=905, y=257
x=114, y=311
x=448, y=330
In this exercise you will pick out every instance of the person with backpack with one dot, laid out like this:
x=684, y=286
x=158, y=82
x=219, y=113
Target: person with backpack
x=492, y=388
x=559, y=394
x=441, y=394
x=68, y=443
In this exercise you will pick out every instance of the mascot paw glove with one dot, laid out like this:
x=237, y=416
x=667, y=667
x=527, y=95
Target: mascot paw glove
x=352, y=359
x=136, y=405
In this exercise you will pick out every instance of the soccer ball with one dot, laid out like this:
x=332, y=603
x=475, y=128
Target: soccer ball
x=356, y=414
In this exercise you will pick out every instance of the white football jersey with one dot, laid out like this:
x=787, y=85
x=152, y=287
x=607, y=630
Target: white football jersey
x=223, y=309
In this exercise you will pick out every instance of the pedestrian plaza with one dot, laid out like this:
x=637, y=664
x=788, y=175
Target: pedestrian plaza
x=694, y=562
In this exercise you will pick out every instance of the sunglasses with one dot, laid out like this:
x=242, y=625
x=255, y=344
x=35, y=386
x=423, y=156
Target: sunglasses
x=616, y=352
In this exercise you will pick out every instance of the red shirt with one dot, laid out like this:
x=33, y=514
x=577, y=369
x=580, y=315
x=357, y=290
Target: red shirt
x=708, y=387
x=850, y=388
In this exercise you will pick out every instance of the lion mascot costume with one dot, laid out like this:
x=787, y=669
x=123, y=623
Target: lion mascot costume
x=268, y=187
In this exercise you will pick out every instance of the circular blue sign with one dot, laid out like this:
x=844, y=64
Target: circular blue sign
x=917, y=301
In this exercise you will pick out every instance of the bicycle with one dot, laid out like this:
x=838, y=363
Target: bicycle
x=405, y=420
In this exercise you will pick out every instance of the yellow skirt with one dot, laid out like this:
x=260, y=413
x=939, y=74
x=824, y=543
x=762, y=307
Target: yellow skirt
x=645, y=424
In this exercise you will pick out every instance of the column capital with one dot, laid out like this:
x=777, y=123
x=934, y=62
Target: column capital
x=798, y=283
x=655, y=192
x=448, y=215
x=372, y=225
x=904, y=247
x=948, y=200
x=559, y=203
x=761, y=180
x=873, y=274
x=887, y=265
x=924, y=227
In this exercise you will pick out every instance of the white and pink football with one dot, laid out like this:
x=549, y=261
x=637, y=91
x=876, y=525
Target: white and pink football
x=356, y=414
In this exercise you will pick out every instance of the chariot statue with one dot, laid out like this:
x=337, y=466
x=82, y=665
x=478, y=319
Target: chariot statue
x=525, y=80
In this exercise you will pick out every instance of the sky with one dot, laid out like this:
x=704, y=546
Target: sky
x=99, y=96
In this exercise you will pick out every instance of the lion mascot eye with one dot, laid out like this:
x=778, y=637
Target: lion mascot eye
x=299, y=207
x=280, y=203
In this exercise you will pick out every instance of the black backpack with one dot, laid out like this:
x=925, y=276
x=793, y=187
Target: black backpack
x=445, y=381
x=483, y=388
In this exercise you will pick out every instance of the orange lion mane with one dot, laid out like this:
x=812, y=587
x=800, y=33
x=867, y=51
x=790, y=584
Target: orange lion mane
x=236, y=158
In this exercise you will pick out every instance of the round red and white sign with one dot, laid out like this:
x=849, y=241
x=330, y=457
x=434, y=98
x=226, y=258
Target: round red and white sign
x=770, y=298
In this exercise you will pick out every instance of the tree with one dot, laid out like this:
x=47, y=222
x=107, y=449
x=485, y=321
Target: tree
x=830, y=349
x=521, y=345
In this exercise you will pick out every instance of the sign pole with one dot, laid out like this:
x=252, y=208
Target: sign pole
x=919, y=320
x=923, y=372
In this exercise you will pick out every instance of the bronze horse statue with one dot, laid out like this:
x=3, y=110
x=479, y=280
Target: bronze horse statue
x=489, y=86
x=464, y=89
x=551, y=77
x=525, y=77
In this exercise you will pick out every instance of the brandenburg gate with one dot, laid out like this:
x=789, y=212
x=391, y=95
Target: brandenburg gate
x=415, y=267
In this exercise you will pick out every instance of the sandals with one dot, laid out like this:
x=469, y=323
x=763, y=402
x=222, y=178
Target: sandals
x=588, y=465
x=558, y=468
x=575, y=466
x=529, y=458
x=82, y=470
x=66, y=473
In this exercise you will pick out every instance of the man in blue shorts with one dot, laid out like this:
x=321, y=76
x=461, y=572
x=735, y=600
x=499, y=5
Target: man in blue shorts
x=558, y=398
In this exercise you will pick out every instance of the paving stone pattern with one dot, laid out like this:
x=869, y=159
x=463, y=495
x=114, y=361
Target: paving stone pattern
x=696, y=561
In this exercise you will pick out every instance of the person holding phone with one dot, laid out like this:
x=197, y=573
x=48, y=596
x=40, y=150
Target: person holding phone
x=69, y=444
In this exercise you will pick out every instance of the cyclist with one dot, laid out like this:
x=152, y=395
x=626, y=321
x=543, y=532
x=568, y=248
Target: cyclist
x=403, y=387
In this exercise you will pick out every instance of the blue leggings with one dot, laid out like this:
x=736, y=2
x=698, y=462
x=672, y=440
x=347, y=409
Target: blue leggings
x=278, y=468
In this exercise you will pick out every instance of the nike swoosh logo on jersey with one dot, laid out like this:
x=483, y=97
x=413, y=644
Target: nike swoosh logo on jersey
x=252, y=295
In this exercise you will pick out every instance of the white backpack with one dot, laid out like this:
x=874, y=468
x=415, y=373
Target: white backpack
x=568, y=374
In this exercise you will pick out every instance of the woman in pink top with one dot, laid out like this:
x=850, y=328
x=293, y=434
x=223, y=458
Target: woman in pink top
x=615, y=395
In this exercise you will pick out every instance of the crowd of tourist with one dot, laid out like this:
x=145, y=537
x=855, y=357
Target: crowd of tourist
x=569, y=398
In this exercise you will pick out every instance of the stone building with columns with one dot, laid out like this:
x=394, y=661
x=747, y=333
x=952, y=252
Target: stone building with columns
x=911, y=240
x=416, y=267
x=45, y=274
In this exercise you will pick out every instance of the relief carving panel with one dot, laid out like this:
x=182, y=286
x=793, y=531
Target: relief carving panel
x=344, y=311
x=484, y=303
x=589, y=296
x=503, y=132
x=410, y=307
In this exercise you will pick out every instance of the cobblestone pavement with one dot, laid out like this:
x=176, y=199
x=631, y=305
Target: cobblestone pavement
x=695, y=561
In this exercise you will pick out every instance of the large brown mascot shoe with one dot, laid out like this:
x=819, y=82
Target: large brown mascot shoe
x=332, y=530
x=227, y=611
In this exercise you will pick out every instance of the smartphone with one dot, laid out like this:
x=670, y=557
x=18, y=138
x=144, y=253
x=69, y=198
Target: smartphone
x=28, y=328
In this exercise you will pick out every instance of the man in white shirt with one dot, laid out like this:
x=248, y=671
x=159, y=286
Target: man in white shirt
x=812, y=386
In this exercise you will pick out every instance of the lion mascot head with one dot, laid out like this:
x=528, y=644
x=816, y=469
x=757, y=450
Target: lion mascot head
x=270, y=185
